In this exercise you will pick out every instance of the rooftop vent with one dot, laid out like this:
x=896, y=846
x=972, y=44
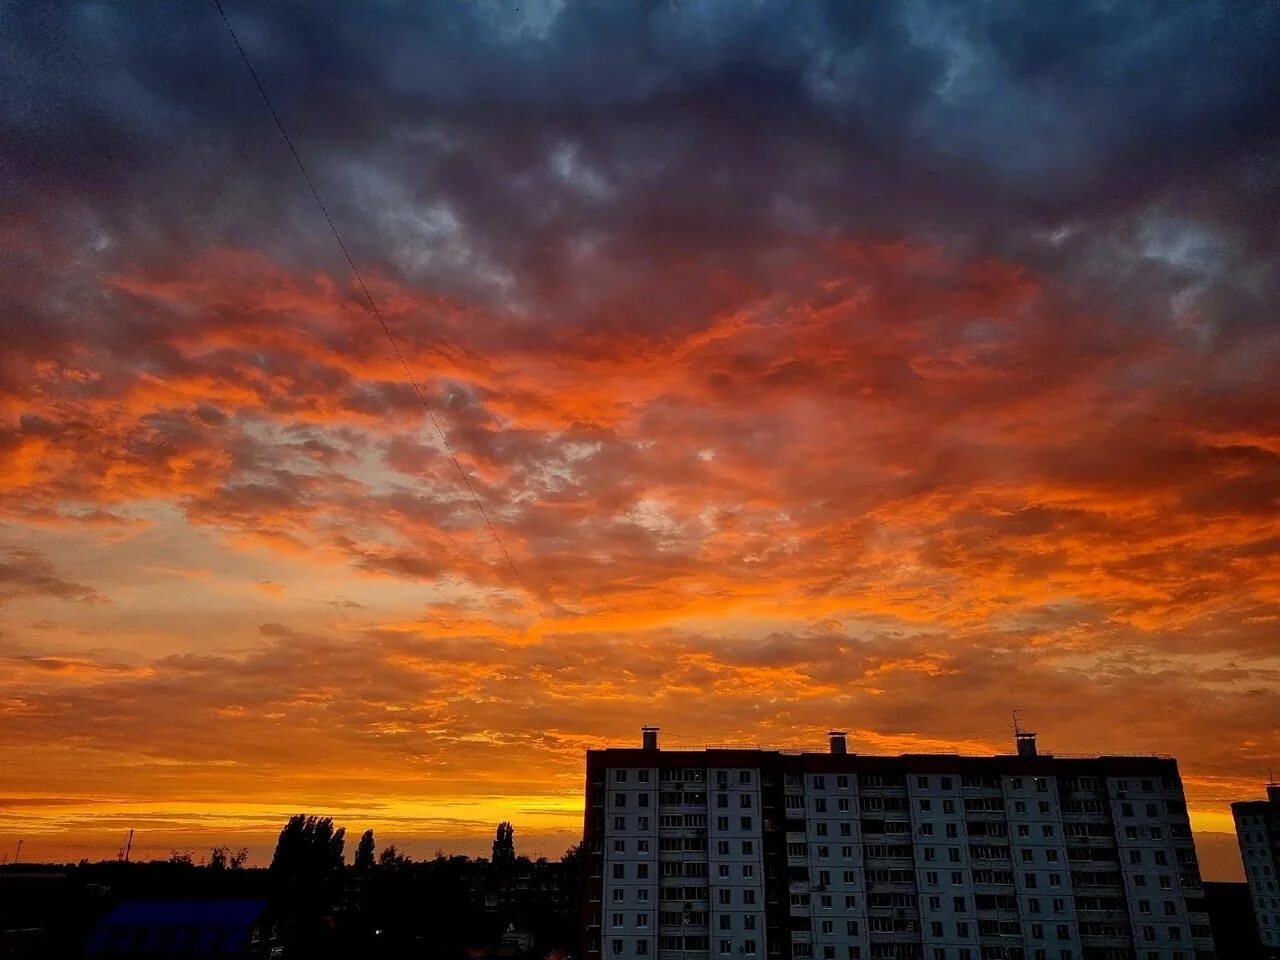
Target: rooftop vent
x=838, y=742
x=1026, y=742
x=649, y=738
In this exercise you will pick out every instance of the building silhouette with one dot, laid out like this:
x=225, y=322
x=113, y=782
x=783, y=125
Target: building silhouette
x=750, y=853
x=1258, y=830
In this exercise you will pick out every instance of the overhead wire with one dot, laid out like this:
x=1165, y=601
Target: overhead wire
x=395, y=346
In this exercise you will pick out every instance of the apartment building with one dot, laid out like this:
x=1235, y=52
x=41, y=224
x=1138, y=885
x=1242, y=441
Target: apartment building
x=762, y=854
x=1258, y=830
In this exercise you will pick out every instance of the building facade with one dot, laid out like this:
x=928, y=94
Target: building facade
x=1258, y=830
x=757, y=855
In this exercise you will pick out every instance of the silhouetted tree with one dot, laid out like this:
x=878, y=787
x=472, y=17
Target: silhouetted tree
x=391, y=858
x=309, y=848
x=364, y=853
x=306, y=876
x=221, y=858
x=504, y=846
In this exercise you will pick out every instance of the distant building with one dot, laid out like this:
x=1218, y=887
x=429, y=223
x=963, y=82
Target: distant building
x=748, y=853
x=183, y=928
x=1235, y=931
x=1258, y=830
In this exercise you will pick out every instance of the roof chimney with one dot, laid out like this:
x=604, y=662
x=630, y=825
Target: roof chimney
x=1273, y=792
x=1026, y=742
x=649, y=738
x=838, y=744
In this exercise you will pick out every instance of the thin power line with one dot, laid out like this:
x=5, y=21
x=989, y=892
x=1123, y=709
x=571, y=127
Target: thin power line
x=373, y=306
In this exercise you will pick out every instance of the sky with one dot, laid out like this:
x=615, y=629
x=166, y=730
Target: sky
x=885, y=367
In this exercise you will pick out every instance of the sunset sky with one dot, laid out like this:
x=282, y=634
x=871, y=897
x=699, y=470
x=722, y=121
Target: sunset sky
x=884, y=367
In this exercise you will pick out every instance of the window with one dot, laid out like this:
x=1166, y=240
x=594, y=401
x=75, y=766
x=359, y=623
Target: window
x=642, y=947
x=726, y=946
x=642, y=846
x=748, y=946
x=619, y=823
x=615, y=948
x=748, y=896
x=744, y=801
x=618, y=919
x=619, y=799
x=926, y=806
x=726, y=921
x=643, y=776
x=722, y=896
x=618, y=894
x=819, y=805
x=620, y=776
x=747, y=848
x=723, y=870
x=744, y=823
x=748, y=870
x=619, y=846
x=722, y=800
x=722, y=848
x=749, y=922
x=958, y=904
x=619, y=871
x=744, y=776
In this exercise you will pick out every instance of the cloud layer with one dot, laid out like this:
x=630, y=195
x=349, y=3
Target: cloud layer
x=890, y=367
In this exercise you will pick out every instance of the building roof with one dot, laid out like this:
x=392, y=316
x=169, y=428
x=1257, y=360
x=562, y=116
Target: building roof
x=222, y=913
x=200, y=926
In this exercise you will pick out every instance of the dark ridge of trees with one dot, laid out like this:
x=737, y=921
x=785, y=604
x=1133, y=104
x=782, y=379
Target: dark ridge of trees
x=381, y=906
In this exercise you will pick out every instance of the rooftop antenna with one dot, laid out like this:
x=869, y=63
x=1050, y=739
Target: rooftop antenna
x=17, y=853
x=123, y=856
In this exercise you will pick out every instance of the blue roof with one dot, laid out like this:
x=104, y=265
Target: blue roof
x=198, y=927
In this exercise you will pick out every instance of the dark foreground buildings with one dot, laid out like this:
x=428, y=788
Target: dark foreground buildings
x=1258, y=830
x=747, y=853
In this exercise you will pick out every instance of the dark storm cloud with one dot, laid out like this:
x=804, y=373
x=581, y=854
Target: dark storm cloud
x=487, y=145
